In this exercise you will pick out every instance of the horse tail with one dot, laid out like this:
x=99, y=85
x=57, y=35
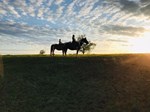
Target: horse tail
x=52, y=49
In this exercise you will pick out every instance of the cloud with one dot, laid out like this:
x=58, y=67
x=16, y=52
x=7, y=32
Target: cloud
x=124, y=30
x=45, y=21
x=3, y=12
x=129, y=6
x=31, y=11
x=117, y=40
x=58, y=2
x=39, y=2
x=13, y=11
x=136, y=7
x=145, y=1
x=70, y=7
x=59, y=11
x=86, y=9
x=22, y=33
x=50, y=3
x=146, y=10
x=40, y=13
x=12, y=8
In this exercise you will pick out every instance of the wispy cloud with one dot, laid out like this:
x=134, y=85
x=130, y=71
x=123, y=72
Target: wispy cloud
x=45, y=21
x=136, y=7
x=58, y=2
x=124, y=30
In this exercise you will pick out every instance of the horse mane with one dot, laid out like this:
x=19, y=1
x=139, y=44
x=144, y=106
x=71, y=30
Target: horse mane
x=79, y=41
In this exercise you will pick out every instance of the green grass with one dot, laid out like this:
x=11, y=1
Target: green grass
x=89, y=83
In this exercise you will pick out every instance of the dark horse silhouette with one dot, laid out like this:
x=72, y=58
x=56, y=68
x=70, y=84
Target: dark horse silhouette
x=58, y=47
x=76, y=45
x=68, y=45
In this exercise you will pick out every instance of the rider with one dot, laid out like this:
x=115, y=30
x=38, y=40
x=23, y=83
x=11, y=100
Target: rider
x=60, y=41
x=73, y=38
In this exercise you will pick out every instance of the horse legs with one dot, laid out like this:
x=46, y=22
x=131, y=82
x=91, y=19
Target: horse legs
x=77, y=52
x=52, y=52
x=65, y=52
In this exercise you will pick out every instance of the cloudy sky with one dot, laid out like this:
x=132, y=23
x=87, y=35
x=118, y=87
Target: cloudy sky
x=116, y=26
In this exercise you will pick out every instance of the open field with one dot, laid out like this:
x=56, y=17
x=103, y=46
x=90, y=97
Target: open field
x=90, y=83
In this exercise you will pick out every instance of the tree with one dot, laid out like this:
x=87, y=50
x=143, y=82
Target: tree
x=80, y=37
x=86, y=47
x=42, y=52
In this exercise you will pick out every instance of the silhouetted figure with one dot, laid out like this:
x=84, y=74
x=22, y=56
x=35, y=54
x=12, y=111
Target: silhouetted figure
x=59, y=47
x=74, y=45
x=60, y=41
x=68, y=45
x=73, y=38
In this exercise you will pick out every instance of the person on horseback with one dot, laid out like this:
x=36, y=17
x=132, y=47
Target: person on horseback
x=60, y=41
x=73, y=38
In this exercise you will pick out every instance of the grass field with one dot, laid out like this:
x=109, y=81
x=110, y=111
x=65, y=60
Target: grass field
x=90, y=83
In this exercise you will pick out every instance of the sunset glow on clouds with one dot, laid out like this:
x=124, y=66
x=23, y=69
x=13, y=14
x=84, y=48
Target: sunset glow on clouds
x=27, y=26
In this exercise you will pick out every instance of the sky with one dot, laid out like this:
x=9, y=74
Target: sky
x=116, y=26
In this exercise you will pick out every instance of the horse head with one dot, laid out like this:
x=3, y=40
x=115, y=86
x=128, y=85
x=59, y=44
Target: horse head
x=84, y=40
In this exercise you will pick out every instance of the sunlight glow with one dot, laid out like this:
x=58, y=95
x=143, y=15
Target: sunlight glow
x=141, y=44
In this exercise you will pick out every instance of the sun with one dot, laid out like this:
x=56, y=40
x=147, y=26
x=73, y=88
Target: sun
x=141, y=44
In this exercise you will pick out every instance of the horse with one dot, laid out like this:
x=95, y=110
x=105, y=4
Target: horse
x=58, y=47
x=75, y=45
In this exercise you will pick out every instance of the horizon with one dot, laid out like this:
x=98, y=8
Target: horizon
x=73, y=54
x=122, y=26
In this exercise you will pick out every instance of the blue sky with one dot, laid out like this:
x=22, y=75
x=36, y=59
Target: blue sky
x=116, y=26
